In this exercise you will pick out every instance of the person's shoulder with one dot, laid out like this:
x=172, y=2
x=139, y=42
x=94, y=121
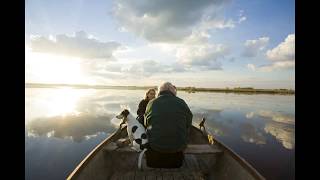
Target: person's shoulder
x=180, y=100
x=142, y=102
x=152, y=101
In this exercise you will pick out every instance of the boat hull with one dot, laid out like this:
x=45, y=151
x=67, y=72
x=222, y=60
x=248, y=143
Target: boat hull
x=205, y=158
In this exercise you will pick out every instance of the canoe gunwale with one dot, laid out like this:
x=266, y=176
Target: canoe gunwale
x=236, y=157
x=92, y=154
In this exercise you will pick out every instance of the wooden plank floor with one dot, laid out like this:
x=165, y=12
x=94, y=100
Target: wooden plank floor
x=147, y=175
x=190, y=170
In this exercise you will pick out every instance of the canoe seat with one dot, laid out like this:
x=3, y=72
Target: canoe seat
x=202, y=149
x=191, y=149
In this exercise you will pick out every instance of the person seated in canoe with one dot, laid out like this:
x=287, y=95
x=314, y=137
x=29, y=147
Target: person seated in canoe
x=168, y=120
x=150, y=94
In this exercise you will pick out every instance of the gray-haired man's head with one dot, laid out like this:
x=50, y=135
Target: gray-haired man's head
x=167, y=86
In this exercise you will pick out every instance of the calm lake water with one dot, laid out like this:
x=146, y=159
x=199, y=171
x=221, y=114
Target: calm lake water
x=63, y=125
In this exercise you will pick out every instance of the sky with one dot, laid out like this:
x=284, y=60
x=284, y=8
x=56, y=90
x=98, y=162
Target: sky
x=207, y=43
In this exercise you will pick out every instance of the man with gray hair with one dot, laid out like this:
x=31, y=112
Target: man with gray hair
x=168, y=120
x=167, y=86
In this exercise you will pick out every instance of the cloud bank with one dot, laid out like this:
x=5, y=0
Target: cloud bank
x=80, y=45
x=164, y=20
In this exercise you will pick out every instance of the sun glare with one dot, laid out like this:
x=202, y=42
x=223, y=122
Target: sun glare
x=47, y=68
x=62, y=102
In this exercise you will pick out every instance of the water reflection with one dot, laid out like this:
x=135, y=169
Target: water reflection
x=281, y=126
x=251, y=134
x=75, y=114
x=56, y=118
x=285, y=134
x=214, y=121
x=53, y=102
x=76, y=127
x=67, y=101
x=61, y=102
x=274, y=116
x=250, y=115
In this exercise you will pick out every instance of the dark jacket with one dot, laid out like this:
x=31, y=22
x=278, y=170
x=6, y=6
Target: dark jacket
x=142, y=107
x=168, y=120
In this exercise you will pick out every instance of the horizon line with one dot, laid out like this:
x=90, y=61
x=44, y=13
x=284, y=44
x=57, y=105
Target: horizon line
x=146, y=86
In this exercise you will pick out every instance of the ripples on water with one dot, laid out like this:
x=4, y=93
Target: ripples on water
x=64, y=125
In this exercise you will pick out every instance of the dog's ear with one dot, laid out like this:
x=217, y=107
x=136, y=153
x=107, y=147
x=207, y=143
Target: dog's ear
x=125, y=113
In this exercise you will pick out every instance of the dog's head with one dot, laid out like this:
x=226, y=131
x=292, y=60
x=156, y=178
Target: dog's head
x=123, y=115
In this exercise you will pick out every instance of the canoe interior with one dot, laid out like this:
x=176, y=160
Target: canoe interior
x=122, y=163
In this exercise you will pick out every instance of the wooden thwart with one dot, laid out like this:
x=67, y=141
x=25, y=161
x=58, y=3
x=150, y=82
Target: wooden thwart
x=201, y=149
x=191, y=149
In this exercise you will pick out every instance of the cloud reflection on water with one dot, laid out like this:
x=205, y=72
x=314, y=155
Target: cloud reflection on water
x=251, y=134
x=274, y=116
x=94, y=113
x=283, y=133
x=214, y=123
x=76, y=127
x=281, y=126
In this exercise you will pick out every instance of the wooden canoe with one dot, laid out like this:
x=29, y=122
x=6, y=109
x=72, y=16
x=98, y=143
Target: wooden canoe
x=205, y=158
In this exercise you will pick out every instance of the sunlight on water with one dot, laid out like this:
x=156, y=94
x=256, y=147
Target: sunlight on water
x=62, y=102
x=53, y=102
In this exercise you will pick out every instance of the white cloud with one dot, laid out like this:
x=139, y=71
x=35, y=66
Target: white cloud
x=150, y=67
x=251, y=67
x=165, y=20
x=178, y=28
x=282, y=56
x=196, y=52
x=253, y=47
x=285, y=51
x=277, y=66
x=141, y=68
x=271, y=67
x=113, y=67
x=219, y=24
x=241, y=17
x=81, y=45
x=105, y=75
x=202, y=55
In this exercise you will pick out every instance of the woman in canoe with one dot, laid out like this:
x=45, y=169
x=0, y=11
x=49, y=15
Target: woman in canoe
x=150, y=94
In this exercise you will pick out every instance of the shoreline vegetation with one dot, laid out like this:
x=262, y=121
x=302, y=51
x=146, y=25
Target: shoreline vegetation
x=242, y=90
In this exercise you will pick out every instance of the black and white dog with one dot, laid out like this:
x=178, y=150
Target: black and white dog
x=136, y=131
